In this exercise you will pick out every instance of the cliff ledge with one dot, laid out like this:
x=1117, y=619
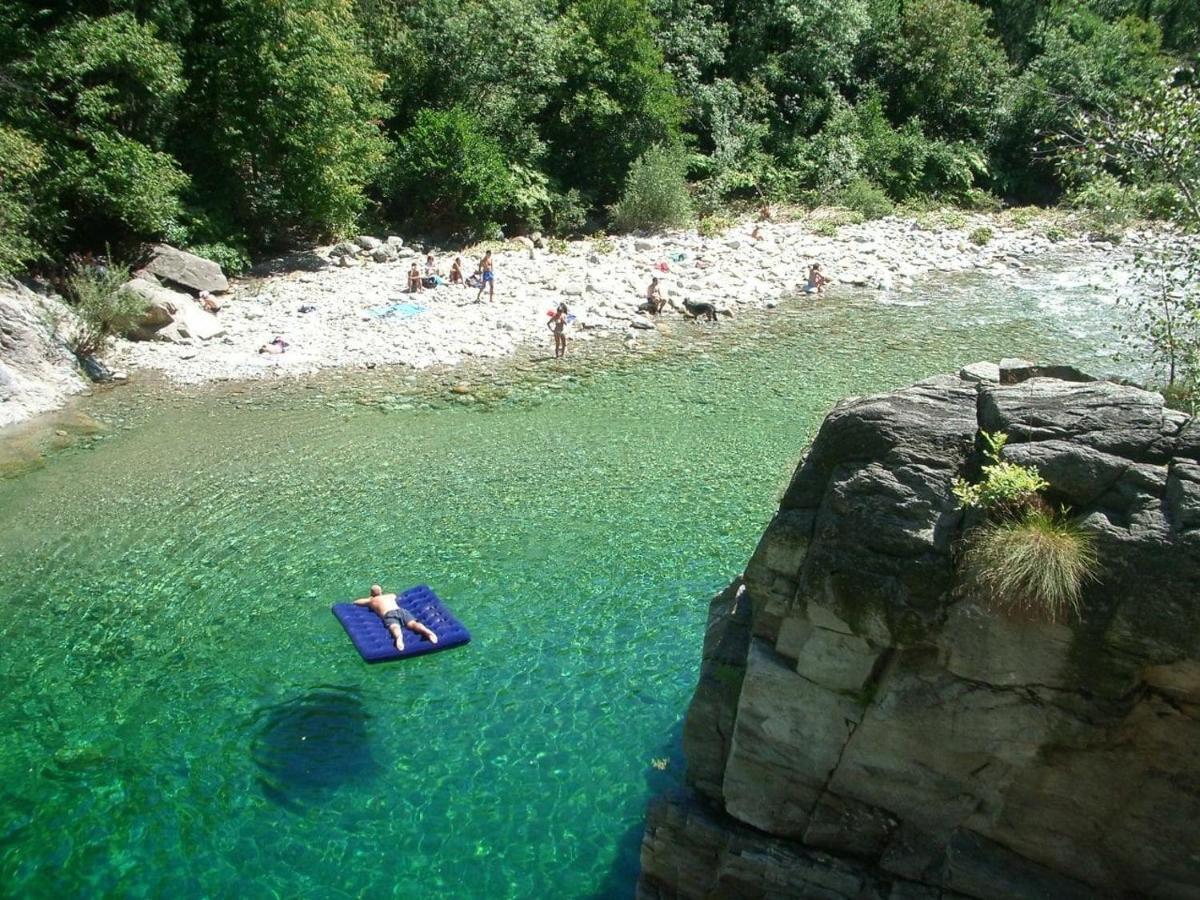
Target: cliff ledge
x=864, y=728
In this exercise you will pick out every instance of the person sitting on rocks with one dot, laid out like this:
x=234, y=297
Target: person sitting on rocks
x=278, y=345
x=696, y=310
x=209, y=303
x=456, y=273
x=433, y=277
x=395, y=617
x=655, y=301
x=816, y=280
x=414, y=279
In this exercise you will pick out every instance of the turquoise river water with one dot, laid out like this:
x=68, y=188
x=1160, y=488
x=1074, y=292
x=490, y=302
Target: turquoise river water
x=181, y=715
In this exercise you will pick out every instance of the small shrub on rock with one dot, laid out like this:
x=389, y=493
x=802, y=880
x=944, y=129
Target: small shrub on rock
x=980, y=236
x=714, y=226
x=100, y=304
x=1032, y=568
x=1027, y=561
x=1006, y=489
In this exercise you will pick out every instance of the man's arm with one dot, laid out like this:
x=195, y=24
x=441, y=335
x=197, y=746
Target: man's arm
x=363, y=601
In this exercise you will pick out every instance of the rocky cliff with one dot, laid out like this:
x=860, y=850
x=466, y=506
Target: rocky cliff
x=37, y=371
x=864, y=728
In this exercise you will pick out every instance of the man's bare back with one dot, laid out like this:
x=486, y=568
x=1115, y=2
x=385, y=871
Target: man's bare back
x=394, y=616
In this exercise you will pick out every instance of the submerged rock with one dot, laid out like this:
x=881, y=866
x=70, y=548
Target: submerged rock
x=863, y=727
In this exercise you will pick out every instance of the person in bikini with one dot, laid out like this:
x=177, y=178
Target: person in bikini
x=395, y=617
x=558, y=326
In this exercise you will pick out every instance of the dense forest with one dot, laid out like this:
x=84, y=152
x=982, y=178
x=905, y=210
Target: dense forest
x=233, y=126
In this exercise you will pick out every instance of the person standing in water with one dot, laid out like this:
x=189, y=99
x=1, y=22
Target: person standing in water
x=558, y=326
x=395, y=617
x=816, y=280
x=489, y=277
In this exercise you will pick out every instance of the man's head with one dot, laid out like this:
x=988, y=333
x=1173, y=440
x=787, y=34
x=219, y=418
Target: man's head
x=376, y=590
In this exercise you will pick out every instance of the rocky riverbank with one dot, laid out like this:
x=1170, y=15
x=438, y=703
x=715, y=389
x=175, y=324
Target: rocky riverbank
x=864, y=727
x=346, y=305
x=37, y=371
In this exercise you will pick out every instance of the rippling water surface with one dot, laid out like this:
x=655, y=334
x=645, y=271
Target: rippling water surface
x=182, y=716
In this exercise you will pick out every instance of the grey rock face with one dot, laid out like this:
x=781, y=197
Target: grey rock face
x=863, y=728
x=367, y=242
x=37, y=371
x=186, y=269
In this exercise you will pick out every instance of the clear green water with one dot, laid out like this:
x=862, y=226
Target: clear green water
x=182, y=716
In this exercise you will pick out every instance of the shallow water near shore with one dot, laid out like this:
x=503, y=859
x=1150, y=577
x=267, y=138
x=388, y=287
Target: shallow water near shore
x=182, y=715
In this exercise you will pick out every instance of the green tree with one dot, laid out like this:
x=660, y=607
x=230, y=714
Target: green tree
x=441, y=53
x=944, y=65
x=449, y=173
x=1156, y=139
x=803, y=53
x=105, y=100
x=287, y=128
x=1086, y=64
x=655, y=194
x=615, y=99
x=20, y=162
x=693, y=41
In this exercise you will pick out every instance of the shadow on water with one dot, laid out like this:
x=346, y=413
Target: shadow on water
x=621, y=880
x=311, y=744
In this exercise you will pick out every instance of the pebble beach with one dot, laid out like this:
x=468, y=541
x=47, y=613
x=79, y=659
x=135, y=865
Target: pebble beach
x=334, y=309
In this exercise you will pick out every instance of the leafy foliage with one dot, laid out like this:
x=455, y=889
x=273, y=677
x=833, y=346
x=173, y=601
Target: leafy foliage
x=944, y=64
x=1156, y=138
x=447, y=172
x=20, y=162
x=101, y=306
x=1164, y=319
x=866, y=198
x=292, y=109
x=1006, y=488
x=615, y=100
x=107, y=88
x=656, y=194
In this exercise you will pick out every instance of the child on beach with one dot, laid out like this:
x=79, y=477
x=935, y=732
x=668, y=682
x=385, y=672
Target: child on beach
x=456, y=275
x=558, y=326
x=414, y=279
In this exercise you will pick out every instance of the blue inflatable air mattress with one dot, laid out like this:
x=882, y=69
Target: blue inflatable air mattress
x=373, y=641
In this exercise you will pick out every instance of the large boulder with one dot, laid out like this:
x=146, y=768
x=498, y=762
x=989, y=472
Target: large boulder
x=37, y=370
x=865, y=727
x=186, y=269
x=169, y=315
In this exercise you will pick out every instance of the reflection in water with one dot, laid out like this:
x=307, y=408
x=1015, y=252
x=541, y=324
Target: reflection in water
x=311, y=744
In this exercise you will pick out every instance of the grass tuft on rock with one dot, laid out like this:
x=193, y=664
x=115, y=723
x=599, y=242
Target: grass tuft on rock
x=1031, y=568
